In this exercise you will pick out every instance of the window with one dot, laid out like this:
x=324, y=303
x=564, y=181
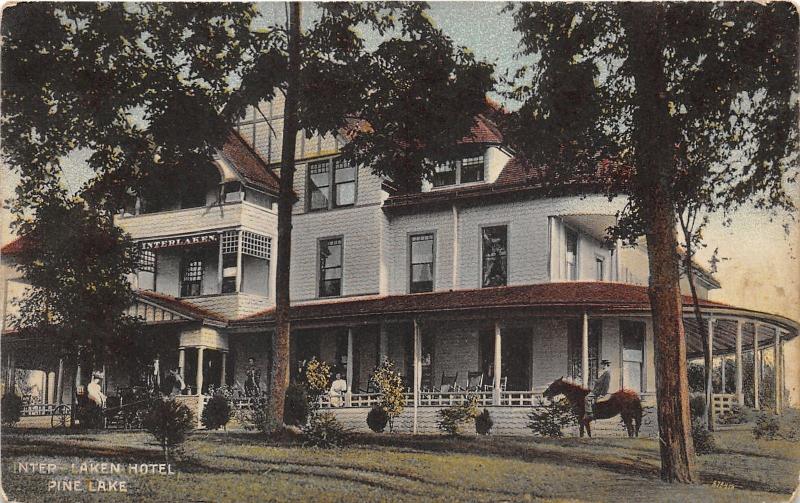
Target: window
x=230, y=249
x=330, y=267
x=444, y=174
x=495, y=256
x=574, y=349
x=191, y=276
x=147, y=260
x=572, y=254
x=467, y=170
x=421, y=263
x=338, y=174
x=599, y=263
x=632, y=333
x=472, y=169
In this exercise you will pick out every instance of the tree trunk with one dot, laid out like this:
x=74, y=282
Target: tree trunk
x=280, y=339
x=654, y=144
x=701, y=327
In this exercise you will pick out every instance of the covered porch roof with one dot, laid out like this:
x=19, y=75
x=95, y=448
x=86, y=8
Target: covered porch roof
x=545, y=299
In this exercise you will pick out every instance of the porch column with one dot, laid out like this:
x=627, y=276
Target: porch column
x=239, y=263
x=219, y=263
x=60, y=382
x=349, y=394
x=383, y=343
x=739, y=389
x=417, y=368
x=498, y=364
x=724, y=361
x=710, y=381
x=222, y=378
x=78, y=377
x=199, y=376
x=105, y=381
x=776, y=370
x=182, y=363
x=585, y=351
x=756, y=367
x=45, y=385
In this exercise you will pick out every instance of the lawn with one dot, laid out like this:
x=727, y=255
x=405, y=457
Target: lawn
x=219, y=466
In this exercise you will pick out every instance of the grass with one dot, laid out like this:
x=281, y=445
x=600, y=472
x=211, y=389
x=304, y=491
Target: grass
x=218, y=466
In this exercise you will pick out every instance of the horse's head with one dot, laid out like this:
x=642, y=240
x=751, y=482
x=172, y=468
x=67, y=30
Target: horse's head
x=555, y=388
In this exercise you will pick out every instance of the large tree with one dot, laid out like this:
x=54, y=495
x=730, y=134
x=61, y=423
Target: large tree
x=155, y=87
x=616, y=96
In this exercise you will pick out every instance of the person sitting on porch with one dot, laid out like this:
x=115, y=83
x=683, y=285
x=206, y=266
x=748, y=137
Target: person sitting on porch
x=252, y=383
x=178, y=384
x=338, y=389
x=600, y=388
x=94, y=390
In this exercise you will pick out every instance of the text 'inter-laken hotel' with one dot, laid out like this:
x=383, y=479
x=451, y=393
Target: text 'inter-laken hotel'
x=501, y=286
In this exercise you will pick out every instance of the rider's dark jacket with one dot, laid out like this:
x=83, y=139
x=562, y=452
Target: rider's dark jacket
x=601, y=384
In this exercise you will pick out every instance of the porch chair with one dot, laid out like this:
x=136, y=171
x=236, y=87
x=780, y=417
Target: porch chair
x=474, y=381
x=448, y=383
x=503, y=383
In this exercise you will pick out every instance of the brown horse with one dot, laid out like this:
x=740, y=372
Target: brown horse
x=624, y=402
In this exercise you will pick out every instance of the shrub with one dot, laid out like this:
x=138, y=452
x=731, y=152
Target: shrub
x=315, y=375
x=767, y=426
x=549, y=417
x=262, y=418
x=390, y=385
x=452, y=418
x=790, y=425
x=737, y=415
x=377, y=418
x=169, y=421
x=483, y=423
x=216, y=413
x=697, y=405
x=295, y=411
x=704, y=441
x=324, y=430
x=11, y=407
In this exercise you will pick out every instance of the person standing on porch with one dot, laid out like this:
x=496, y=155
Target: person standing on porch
x=338, y=389
x=95, y=391
x=600, y=388
x=252, y=383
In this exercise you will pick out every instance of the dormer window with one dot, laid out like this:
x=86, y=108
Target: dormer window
x=467, y=170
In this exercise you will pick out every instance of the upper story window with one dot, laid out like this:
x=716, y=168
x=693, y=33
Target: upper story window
x=147, y=260
x=599, y=265
x=571, y=254
x=191, y=276
x=467, y=170
x=230, y=253
x=330, y=267
x=421, y=263
x=495, y=256
x=331, y=184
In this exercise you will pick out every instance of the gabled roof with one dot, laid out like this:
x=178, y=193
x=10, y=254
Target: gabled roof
x=249, y=165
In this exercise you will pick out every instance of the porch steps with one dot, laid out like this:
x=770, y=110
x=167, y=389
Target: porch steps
x=507, y=421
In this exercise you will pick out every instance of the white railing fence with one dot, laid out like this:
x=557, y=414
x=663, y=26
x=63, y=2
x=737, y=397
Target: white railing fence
x=722, y=403
x=39, y=409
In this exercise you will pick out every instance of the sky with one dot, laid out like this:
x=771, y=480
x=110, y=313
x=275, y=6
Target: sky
x=760, y=267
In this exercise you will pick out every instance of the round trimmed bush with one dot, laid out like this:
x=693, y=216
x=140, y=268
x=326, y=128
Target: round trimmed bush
x=704, y=442
x=483, y=423
x=377, y=418
x=216, y=413
x=11, y=407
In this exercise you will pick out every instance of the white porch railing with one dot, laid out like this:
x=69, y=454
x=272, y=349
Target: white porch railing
x=39, y=409
x=437, y=399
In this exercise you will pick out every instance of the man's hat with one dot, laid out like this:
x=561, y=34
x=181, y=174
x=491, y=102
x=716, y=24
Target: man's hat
x=98, y=374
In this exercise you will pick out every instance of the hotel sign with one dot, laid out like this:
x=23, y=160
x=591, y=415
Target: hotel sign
x=184, y=241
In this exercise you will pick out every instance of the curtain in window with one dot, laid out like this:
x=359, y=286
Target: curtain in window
x=495, y=249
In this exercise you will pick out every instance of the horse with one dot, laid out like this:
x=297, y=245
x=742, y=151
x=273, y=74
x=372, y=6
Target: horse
x=624, y=402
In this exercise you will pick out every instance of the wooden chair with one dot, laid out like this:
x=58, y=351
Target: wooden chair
x=503, y=383
x=474, y=381
x=448, y=383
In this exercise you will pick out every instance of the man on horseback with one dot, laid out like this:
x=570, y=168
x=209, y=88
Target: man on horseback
x=600, y=389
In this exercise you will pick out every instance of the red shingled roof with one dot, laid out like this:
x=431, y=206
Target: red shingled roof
x=249, y=164
x=599, y=296
x=179, y=306
x=15, y=247
x=483, y=130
